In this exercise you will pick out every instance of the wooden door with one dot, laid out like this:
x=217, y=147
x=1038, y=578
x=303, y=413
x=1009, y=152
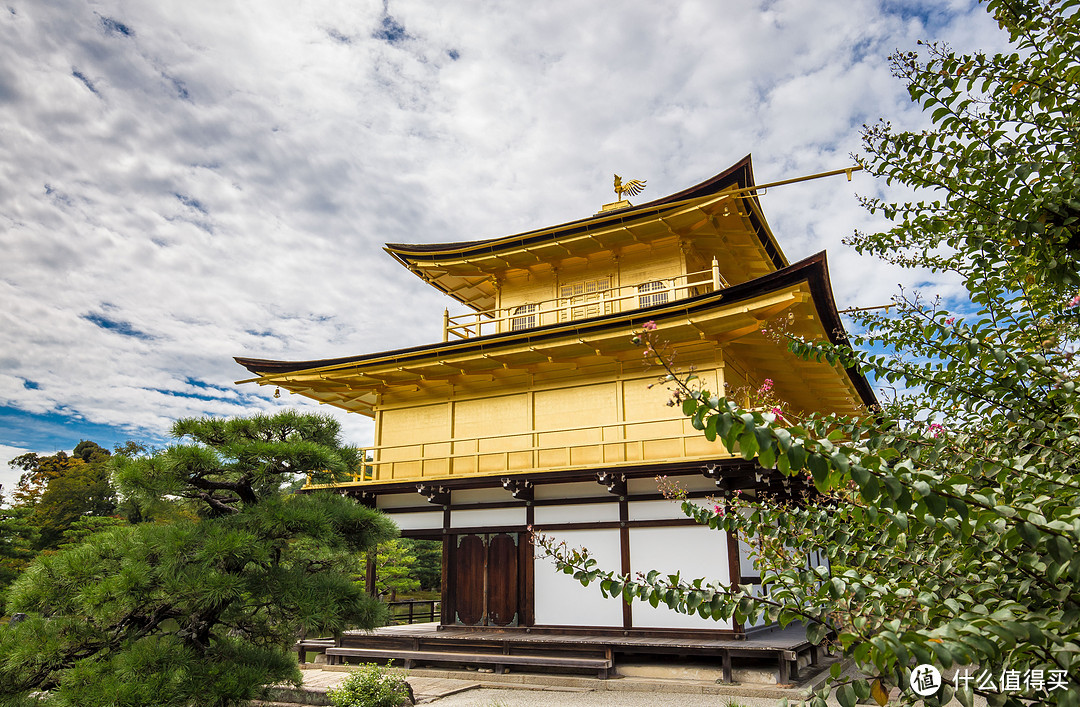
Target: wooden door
x=485, y=577
x=470, y=560
x=502, y=580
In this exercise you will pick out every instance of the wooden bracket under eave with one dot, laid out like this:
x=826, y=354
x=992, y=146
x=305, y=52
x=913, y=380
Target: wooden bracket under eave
x=437, y=495
x=520, y=489
x=614, y=482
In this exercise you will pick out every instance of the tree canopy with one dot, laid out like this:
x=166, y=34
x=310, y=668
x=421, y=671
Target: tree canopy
x=951, y=516
x=201, y=606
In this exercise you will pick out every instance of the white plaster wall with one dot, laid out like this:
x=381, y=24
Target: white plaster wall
x=466, y=496
x=757, y=591
x=560, y=600
x=746, y=562
x=580, y=513
x=588, y=489
x=428, y=520
x=403, y=500
x=689, y=482
x=693, y=551
x=656, y=510
x=487, y=517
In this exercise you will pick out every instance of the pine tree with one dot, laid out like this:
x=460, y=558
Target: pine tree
x=202, y=609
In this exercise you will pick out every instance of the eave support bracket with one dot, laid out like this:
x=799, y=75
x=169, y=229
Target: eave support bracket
x=520, y=489
x=615, y=483
x=437, y=495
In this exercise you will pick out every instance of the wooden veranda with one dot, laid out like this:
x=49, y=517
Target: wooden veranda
x=430, y=644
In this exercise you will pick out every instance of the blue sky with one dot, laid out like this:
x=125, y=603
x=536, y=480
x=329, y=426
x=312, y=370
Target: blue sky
x=181, y=183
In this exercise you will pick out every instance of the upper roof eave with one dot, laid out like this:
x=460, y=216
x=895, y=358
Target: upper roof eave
x=739, y=175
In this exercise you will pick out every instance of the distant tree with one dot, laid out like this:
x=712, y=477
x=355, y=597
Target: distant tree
x=394, y=570
x=132, y=448
x=90, y=451
x=82, y=490
x=203, y=609
x=17, y=539
x=427, y=569
x=38, y=471
x=132, y=507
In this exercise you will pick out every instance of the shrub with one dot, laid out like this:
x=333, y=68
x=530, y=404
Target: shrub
x=372, y=686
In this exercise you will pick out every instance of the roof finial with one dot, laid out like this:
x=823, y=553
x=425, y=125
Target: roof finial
x=632, y=188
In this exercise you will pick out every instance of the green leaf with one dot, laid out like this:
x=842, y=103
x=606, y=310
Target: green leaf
x=860, y=475
x=935, y=504
x=748, y=444
x=796, y=457
x=710, y=428
x=819, y=469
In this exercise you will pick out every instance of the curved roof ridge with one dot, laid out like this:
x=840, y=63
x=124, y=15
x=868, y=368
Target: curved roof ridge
x=741, y=174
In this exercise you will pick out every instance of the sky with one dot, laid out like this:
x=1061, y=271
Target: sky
x=184, y=182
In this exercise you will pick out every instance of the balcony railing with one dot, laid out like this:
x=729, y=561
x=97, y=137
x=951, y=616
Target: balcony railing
x=616, y=443
x=595, y=303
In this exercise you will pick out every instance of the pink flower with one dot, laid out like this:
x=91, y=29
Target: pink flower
x=1075, y=301
x=649, y=326
x=935, y=429
x=718, y=509
x=950, y=321
x=779, y=414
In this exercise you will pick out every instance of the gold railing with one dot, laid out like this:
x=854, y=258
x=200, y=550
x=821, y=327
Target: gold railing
x=613, y=300
x=611, y=444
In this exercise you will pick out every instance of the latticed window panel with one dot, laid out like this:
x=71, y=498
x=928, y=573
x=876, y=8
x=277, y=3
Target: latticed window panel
x=524, y=317
x=650, y=293
x=588, y=298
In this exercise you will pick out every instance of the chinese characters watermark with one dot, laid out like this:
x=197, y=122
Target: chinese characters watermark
x=925, y=680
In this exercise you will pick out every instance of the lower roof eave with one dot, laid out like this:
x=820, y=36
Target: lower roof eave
x=812, y=270
x=727, y=467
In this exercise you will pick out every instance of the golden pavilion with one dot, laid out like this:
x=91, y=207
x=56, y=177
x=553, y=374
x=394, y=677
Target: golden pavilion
x=535, y=409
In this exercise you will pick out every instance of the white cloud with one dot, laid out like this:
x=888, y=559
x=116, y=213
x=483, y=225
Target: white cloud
x=216, y=180
x=9, y=476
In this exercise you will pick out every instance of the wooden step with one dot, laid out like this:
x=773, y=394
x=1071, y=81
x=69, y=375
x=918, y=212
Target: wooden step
x=499, y=660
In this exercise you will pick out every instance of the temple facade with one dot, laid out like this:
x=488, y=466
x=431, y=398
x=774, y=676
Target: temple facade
x=536, y=411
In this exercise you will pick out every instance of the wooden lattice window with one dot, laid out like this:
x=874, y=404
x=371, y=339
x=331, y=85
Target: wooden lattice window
x=588, y=298
x=524, y=317
x=650, y=293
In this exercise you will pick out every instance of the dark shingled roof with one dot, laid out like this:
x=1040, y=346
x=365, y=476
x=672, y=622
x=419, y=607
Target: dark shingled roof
x=738, y=175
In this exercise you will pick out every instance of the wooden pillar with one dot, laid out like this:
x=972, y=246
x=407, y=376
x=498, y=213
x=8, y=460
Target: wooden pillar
x=446, y=611
x=370, y=577
x=624, y=547
x=734, y=565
